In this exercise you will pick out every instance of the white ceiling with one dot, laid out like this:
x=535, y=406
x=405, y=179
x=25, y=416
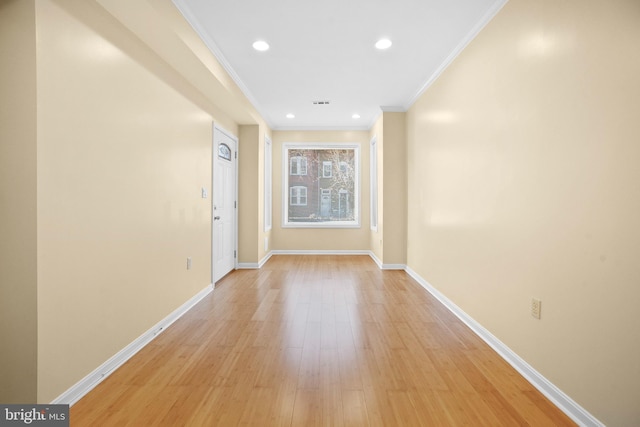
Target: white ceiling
x=324, y=50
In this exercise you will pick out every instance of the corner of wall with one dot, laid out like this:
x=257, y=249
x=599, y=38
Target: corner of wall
x=249, y=193
x=18, y=191
x=394, y=153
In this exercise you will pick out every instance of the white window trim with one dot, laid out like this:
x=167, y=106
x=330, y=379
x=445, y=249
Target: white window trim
x=268, y=186
x=373, y=174
x=285, y=185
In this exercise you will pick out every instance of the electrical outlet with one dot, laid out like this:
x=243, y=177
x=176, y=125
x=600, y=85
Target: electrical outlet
x=536, y=306
x=189, y=263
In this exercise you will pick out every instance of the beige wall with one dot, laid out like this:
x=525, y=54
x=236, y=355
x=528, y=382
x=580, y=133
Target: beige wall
x=394, y=188
x=248, y=186
x=321, y=238
x=126, y=95
x=389, y=241
x=523, y=182
x=122, y=156
x=18, y=246
x=193, y=71
x=251, y=234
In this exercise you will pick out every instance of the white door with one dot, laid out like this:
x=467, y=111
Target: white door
x=325, y=203
x=224, y=204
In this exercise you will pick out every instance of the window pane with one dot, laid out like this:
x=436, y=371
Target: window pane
x=298, y=165
x=320, y=195
x=297, y=196
x=302, y=196
x=224, y=152
x=326, y=169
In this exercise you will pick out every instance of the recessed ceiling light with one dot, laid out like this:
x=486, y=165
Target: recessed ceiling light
x=356, y=116
x=291, y=116
x=383, y=44
x=261, y=45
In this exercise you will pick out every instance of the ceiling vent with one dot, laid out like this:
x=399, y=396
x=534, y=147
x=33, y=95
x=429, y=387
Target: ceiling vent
x=321, y=102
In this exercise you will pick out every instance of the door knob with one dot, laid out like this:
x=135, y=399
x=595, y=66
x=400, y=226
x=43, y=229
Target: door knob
x=215, y=218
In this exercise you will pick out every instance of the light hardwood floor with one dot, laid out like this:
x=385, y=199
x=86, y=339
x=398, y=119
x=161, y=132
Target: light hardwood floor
x=317, y=340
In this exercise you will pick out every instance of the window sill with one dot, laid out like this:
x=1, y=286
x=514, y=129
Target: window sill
x=335, y=224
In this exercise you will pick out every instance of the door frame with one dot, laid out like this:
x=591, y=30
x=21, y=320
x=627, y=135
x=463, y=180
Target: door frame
x=214, y=155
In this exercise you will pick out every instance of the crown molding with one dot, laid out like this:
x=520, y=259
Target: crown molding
x=189, y=16
x=486, y=18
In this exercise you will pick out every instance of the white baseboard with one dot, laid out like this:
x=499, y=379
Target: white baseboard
x=553, y=393
x=85, y=385
x=247, y=266
x=386, y=266
x=319, y=252
x=393, y=267
x=375, y=259
x=254, y=265
x=322, y=252
x=265, y=259
x=567, y=405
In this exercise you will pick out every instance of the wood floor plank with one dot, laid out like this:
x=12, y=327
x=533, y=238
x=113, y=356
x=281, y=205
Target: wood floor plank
x=404, y=412
x=317, y=340
x=307, y=409
x=354, y=408
x=258, y=407
x=187, y=400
